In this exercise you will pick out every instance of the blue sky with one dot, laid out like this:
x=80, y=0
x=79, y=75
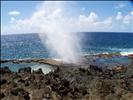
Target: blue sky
x=86, y=15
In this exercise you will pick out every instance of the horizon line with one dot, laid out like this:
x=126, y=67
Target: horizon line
x=71, y=32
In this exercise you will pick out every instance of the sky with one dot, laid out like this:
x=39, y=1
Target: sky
x=74, y=16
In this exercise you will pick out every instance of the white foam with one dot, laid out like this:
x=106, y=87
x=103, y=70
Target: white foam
x=58, y=59
x=45, y=68
x=87, y=54
x=126, y=53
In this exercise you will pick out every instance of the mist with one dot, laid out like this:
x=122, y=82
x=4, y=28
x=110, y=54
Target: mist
x=55, y=34
x=64, y=46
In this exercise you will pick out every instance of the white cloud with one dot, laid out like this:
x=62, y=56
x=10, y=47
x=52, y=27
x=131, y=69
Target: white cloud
x=124, y=19
x=120, y=5
x=93, y=17
x=14, y=13
x=86, y=20
x=52, y=14
x=127, y=19
x=119, y=16
x=132, y=13
x=93, y=23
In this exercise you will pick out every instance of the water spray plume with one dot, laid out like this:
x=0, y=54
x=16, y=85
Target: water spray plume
x=55, y=35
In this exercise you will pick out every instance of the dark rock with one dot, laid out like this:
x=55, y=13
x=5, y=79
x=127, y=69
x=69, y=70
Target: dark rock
x=82, y=70
x=4, y=70
x=68, y=82
x=26, y=96
x=96, y=68
x=57, y=69
x=65, y=83
x=14, y=84
x=129, y=84
x=84, y=92
x=85, y=71
x=25, y=70
x=56, y=75
x=76, y=89
x=61, y=88
x=17, y=91
x=21, y=81
x=21, y=93
x=108, y=55
x=63, y=91
x=3, y=81
x=2, y=95
x=27, y=83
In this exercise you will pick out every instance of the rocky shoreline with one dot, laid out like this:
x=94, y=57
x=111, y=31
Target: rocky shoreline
x=67, y=82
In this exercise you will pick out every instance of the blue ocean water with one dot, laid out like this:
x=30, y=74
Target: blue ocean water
x=107, y=42
x=22, y=46
x=30, y=46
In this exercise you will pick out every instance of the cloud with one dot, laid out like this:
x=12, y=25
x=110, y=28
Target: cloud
x=132, y=13
x=119, y=16
x=127, y=19
x=93, y=22
x=120, y=5
x=14, y=13
x=52, y=14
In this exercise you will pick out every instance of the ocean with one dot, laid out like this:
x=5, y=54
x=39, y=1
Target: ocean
x=30, y=46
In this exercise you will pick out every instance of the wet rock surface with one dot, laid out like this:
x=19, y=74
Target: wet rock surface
x=68, y=82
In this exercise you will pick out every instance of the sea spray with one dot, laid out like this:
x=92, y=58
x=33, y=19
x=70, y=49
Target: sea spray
x=61, y=44
x=55, y=34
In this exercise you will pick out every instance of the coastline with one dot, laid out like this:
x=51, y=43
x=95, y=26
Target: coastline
x=67, y=82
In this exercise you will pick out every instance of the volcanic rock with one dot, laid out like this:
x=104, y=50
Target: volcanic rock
x=4, y=70
x=69, y=83
x=96, y=68
x=17, y=91
x=2, y=81
x=2, y=95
